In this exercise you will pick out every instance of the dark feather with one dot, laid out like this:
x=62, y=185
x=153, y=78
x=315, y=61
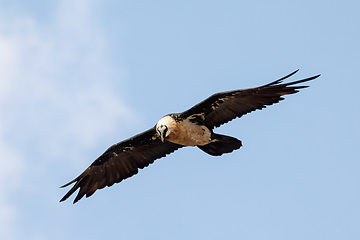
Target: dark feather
x=223, y=107
x=221, y=144
x=119, y=162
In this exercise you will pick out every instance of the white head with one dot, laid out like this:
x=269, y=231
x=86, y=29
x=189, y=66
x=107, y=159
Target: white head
x=165, y=127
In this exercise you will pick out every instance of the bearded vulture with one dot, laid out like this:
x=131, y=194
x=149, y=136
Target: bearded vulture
x=193, y=127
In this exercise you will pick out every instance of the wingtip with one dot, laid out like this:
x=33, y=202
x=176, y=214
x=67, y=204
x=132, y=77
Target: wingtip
x=295, y=71
x=78, y=197
x=281, y=79
x=289, y=75
x=67, y=184
x=63, y=199
x=72, y=190
x=68, y=195
x=303, y=80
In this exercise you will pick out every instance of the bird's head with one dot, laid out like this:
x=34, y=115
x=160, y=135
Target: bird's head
x=165, y=127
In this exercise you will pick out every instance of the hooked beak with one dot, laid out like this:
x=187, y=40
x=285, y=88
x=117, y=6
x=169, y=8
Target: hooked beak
x=162, y=133
x=162, y=137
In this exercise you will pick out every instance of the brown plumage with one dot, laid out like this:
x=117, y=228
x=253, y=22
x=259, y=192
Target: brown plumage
x=193, y=127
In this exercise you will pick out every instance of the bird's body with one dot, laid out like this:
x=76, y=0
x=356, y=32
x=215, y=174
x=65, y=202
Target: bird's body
x=193, y=127
x=185, y=132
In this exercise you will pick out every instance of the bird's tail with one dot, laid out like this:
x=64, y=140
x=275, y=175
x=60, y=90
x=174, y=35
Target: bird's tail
x=221, y=144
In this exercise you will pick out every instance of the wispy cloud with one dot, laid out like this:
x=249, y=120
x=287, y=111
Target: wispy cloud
x=55, y=93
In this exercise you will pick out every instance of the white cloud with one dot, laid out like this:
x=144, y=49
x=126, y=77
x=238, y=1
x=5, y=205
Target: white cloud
x=60, y=68
x=55, y=92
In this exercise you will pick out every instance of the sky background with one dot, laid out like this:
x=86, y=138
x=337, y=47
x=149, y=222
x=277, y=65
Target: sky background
x=77, y=76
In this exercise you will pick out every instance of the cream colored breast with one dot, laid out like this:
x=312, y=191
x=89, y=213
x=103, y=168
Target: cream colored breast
x=189, y=134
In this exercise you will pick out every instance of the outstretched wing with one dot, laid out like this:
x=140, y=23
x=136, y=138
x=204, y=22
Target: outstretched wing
x=120, y=161
x=223, y=107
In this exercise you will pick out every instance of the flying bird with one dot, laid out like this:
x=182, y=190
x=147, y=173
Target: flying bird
x=193, y=127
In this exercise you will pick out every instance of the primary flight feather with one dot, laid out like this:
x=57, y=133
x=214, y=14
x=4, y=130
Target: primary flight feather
x=193, y=127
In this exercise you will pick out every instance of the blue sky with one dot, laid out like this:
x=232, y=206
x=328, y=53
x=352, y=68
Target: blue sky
x=78, y=76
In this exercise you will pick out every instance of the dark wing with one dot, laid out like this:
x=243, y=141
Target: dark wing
x=120, y=161
x=223, y=107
